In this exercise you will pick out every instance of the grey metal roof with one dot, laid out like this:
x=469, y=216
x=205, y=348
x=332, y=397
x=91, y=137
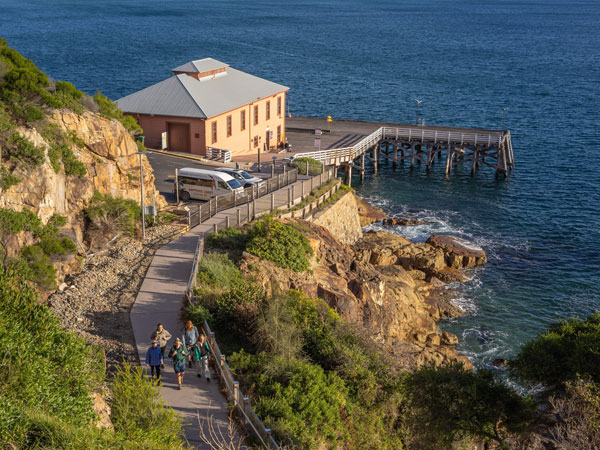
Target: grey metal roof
x=185, y=96
x=200, y=65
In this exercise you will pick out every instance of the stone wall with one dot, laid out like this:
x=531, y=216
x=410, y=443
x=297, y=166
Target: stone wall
x=341, y=219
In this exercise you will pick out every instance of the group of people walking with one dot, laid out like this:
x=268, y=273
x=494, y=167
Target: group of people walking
x=189, y=350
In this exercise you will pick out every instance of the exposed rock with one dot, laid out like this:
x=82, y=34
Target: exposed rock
x=501, y=363
x=112, y=168
x=102, y=409
x=434, y=339
x=395, y=221
x=367, y=213
x=459, y=254
x=449, y=338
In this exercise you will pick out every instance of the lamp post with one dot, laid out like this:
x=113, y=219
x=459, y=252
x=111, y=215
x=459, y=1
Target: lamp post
x=504, y=117
x=142, y=194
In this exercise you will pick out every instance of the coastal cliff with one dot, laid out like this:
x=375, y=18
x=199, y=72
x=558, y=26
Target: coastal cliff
x=392, y=287
x=107, y=151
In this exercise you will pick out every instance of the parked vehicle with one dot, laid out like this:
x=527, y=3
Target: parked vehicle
x=200, y=184
x=243, y=177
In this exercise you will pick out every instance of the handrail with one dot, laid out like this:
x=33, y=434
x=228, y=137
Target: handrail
x=241, y=403
x=347, y=154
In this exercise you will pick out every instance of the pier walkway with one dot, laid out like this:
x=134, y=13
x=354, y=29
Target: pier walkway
x=349, y=143
x=160, y=300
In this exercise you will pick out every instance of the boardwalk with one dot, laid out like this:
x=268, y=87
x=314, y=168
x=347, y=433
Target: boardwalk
x=160, y=300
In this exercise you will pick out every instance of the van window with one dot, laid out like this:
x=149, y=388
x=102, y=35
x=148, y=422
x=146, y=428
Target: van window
x=223, y=185
x=234, y=184
x=205, y=183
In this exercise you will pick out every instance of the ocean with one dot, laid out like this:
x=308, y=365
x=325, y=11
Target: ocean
x=370, y=60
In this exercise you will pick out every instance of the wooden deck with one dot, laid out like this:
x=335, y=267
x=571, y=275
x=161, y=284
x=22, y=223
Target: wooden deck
x=348, y=143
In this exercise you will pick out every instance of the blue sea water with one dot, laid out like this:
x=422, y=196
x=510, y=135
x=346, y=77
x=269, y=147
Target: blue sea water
x=370, y=60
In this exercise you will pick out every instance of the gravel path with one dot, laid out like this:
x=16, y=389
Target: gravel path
x=97, y=301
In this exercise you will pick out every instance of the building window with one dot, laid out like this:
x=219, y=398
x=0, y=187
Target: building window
x=279, y=106
x=278, y=133
x=255, y=141
x=268, y=114
x=243, y=119
x=213, y=127
x=256, y=115
x=228, y=126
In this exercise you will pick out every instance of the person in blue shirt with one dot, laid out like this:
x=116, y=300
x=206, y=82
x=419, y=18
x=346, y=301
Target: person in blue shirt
x=154, y=359
x=189, y=339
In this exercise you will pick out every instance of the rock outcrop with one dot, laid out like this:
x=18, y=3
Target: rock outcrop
x=111, y=164
x=367, y=213
x=458, y=253
x=383, y=282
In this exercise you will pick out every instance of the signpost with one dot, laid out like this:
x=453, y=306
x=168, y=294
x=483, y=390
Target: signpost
x=329, y=120
x=163, y=140
x=318, y=134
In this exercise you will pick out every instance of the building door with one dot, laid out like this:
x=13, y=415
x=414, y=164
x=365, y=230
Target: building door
x=179, y=137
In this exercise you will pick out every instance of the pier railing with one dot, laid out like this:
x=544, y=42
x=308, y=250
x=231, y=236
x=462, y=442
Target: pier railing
x=336, y=156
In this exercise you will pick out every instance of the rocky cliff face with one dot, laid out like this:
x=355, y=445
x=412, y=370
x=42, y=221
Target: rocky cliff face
x=388, y=284
x=111, y=163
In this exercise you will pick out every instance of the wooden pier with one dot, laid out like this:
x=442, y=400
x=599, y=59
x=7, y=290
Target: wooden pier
x=400, y=143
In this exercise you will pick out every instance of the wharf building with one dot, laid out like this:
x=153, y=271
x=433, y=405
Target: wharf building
x=207, y=105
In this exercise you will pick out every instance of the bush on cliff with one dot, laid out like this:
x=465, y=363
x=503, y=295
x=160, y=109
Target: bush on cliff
x=446, y=404
x=111, y=216
x=35, y=261
x=291, y=329
x=568, y=349
x=110, y=110
x=301, y=403
x=279, y=243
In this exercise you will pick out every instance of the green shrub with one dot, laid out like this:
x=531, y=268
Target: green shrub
x=110, y=110
x=122, y=213
x=60, y=152
x=139, y=413
x=228, y=239
x=67, y=96
x=45, y=369
x=7, y=179
x=40, y=267
x=32, y=114
x=302, y=404
x=197, y=313
x=567, y=349
x=216, y=272
x=315, y=167
x=280, y=243
x=23, y=150
x=449, y=403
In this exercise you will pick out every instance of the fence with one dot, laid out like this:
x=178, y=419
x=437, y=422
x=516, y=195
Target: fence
x=337, y=156
x=251, y=421
x=220, y=203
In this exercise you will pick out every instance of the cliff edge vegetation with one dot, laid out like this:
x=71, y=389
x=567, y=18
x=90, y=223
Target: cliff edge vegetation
x=68, y=174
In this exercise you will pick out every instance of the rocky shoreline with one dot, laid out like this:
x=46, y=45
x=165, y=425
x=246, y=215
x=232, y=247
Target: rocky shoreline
x=394, y=288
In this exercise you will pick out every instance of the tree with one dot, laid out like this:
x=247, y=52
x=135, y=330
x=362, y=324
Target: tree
x=567, y=349
x=446, y=404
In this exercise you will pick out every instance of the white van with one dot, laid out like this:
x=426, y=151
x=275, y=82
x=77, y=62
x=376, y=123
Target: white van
x=200, y=184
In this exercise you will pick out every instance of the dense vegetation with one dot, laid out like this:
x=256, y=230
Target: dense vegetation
x=34, y=262
x=319, y=381
x=270, y=240
x=568, y=349
x=46, y=379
